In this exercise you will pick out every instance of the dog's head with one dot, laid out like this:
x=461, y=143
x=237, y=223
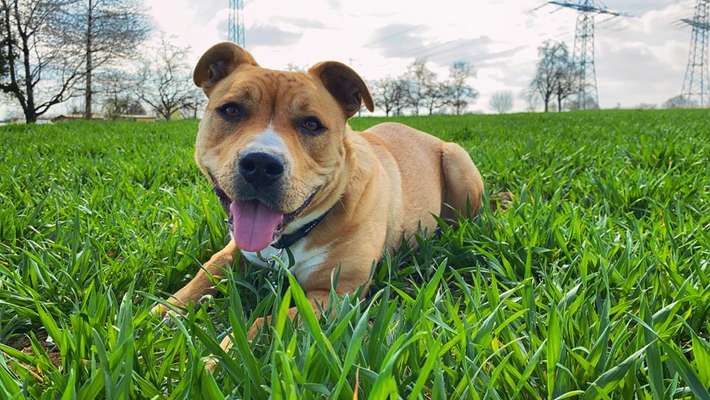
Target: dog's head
x=270, y=141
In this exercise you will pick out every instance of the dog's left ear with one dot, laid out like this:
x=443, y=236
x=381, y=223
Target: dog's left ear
x=345, y=85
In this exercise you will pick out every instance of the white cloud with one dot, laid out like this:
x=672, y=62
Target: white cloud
x=639, y=59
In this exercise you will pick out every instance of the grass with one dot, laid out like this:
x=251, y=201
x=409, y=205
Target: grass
x=595, y=285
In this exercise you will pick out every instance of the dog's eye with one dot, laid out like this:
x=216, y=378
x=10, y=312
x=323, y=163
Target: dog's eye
x=231, y=111
x=311, y=126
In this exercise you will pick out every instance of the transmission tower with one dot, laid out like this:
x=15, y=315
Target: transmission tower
x=696, y=85
x=236, y=22
x=587, y=10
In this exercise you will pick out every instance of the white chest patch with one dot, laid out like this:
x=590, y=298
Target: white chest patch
x=304, y=261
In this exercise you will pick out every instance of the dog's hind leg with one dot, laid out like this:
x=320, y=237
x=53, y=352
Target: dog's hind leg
x=463, y=185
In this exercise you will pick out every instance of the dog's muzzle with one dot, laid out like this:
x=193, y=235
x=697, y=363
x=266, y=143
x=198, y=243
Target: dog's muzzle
x=260, y=176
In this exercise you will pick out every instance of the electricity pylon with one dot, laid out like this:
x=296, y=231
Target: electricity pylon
x=696, y=85
x=236, y=22
x=584, y=48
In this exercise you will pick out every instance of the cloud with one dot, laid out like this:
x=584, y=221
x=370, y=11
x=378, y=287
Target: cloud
x=649, y=79
x=335, y=5
x=304, y=23
x=638, y=7
x=390, y=32
x=408, y=41
x=266, y=35
x=644, y=58
x=398, y=40
x=481, y=58
x=204, y=10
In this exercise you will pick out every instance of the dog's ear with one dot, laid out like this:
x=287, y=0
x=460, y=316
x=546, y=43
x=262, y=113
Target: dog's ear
x=218, y=62
x=345, y=85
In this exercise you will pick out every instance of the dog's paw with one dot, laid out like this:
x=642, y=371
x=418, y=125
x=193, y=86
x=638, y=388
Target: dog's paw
x=160, y=310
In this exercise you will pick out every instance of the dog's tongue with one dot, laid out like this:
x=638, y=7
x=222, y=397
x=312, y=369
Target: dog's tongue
x=254, y=224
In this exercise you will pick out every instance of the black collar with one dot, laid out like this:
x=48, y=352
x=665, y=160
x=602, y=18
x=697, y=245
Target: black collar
x=286, y=241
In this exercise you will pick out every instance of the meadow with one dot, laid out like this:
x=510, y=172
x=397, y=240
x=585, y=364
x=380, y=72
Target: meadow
x=595, y=284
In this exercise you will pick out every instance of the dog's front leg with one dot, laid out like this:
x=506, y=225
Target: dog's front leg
x=201, y=284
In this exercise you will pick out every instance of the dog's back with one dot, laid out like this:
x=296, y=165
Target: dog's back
x=437, y=178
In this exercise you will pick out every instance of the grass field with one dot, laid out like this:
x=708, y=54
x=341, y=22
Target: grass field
x=594, y=285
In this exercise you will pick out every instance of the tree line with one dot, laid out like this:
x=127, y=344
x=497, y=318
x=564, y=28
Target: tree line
x=419, y=90
x=54, y=51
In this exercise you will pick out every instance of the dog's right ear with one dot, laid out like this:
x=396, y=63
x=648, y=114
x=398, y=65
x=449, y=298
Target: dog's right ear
x=218, y=62
x=345, y=85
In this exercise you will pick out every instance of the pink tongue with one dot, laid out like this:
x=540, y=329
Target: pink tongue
x=254, y=224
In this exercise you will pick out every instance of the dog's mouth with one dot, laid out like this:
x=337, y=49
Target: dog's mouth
x=254, y=224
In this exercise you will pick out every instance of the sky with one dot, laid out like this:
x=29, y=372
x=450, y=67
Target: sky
x=640, y=58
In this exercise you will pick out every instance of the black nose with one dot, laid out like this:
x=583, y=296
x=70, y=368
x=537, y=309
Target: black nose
x=260, y=169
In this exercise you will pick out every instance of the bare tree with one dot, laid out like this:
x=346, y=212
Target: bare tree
x=531, y=98
x=117, y=99
x=390, y=94
x=553, y=74
x=5, y=42
x=502, y=102
x=436, y=97
x=40, y=55
x=400, y=101
x=567, y=76
x=425, y=90
x=109, y=30
x=195, y=103
x=588, y=103
x=113, y=83
x=164, y=81
x=459, y=93
x=420, y=79
x=544, y=81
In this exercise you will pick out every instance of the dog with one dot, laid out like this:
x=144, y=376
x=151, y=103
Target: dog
x=291, y=174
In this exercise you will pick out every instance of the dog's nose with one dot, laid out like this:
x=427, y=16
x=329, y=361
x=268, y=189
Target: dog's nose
x=260, y=169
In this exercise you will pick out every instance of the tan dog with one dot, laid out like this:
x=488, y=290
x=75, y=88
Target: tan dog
x=291, y=173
